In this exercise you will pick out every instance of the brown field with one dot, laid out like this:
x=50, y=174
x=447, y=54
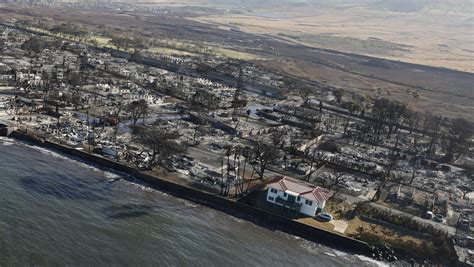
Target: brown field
x=442, y=91
x=435, y=36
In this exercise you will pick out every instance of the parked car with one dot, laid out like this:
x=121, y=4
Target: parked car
x=429, y=215
x=324, y=217
x=464, y=224
x=439, y=218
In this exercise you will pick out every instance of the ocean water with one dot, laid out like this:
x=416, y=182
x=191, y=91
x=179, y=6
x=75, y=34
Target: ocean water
x=57, y=211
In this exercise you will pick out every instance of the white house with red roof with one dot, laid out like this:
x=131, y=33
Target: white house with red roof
x=297, y=195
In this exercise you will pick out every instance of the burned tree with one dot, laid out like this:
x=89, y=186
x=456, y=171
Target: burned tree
x=263, y=155
x=338, y=94
x=456, y=139
x=203, y=102
x=315, y=161
x=278, y=137
x=158, y=143
x=231, y=174
x=237, y=104
x=432, y=126
x=333, y=182
x=73, y=78
x=305, y=92
x=247, y=155
x=137, y=109
x=35, y=45
x=115, y=120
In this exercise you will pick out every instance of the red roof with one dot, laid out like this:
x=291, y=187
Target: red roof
x=303, y=189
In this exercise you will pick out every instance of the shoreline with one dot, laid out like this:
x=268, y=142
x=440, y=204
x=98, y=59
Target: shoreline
x=236, y=209
x=104, y=207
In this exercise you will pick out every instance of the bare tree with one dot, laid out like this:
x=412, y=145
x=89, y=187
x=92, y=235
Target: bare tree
x=263, y=155
x=305, y=93
x=333, y=183
x=226, y=176
x=387, y=177
x=456, y=141
x=202, y=101
x=247, y=154
x=116, y=118
x=237, y=104
x=352, y=107
x=432, y=127
x=299, y=88
x=338, y=94
x=315, y=162
x=278, y=137
x=159, y=143
x=137, y=109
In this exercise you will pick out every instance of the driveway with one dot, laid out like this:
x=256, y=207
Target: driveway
x=339, y=225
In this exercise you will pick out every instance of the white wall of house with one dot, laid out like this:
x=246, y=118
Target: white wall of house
x=273, y=194
x=308, y=207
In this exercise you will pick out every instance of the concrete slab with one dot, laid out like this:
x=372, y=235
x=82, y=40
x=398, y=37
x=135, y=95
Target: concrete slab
x=339, y=225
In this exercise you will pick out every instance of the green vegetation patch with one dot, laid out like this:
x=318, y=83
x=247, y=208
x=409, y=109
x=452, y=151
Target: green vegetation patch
x=203, y=49
x=100, y=40
x=69, y=29
x=170, y=51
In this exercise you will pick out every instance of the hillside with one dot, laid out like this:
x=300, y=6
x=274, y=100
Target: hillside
x=436, y=33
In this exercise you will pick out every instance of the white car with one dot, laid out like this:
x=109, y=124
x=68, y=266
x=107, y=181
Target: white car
x=429, y=215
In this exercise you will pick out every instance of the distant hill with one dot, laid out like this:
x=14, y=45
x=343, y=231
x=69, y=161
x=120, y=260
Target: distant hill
x=462, y=6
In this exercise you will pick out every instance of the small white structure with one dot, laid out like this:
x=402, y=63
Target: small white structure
x=297, y=195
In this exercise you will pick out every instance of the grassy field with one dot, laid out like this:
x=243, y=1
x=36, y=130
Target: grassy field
x=101, y=41
x=171, y=47
x=170, y=51
x=229, y=53
x=182, y=47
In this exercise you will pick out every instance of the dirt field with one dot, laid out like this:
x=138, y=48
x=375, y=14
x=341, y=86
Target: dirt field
x=436, y=36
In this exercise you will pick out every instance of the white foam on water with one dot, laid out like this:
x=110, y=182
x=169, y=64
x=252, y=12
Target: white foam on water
x=108, y=174
x=144, y=188
x=317, y=249
x=111, y=176
x=330, y=254
x=340, y=253
x=190, y=204
x=235, y=219
x=372, y=261
x=5, y=141
x=310, y=247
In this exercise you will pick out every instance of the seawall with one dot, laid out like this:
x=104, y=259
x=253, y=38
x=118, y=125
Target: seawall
x=258, y=216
